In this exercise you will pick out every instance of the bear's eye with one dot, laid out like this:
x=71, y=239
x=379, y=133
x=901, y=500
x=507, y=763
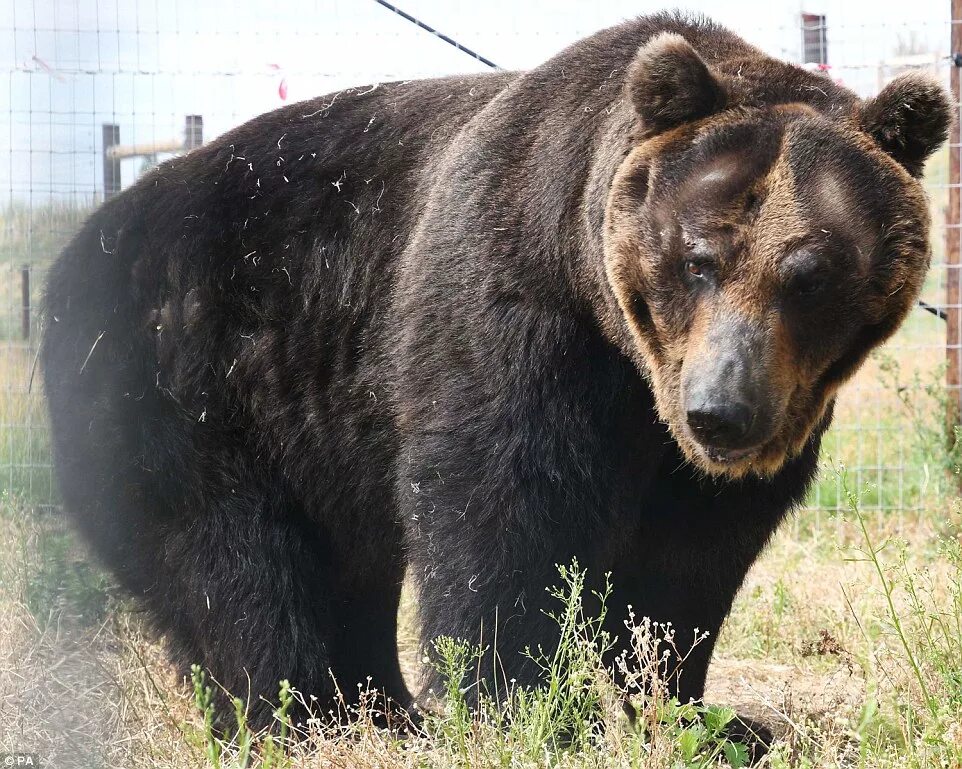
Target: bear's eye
x=698, y=268
x=806, y=285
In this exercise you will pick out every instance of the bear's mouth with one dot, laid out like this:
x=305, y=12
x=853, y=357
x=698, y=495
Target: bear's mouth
x=728, y=456
x=726, y=460
x=723, y=459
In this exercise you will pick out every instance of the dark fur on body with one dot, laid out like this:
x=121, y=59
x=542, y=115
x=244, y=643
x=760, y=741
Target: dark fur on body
x=375, y=332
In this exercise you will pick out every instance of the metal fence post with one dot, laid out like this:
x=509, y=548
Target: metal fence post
x=25, y=302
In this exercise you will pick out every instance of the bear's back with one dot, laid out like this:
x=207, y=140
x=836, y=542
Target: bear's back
x=292, y=218
x=245, y=281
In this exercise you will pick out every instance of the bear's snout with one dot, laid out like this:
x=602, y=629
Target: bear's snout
x=724, y=393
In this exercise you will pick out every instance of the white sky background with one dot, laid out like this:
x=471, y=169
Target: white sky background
x=71, y=65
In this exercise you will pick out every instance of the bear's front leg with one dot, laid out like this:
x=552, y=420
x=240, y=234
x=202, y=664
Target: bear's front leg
x=516, y=445
x=696, y=540
x=491, y=600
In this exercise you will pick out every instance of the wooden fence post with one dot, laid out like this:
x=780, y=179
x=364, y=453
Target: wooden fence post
x=953, y=240
x=111, y=164
x=193, y=131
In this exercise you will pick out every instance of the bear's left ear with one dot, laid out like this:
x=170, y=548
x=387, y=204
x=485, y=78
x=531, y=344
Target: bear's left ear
x=909, y=119
x=669, y=84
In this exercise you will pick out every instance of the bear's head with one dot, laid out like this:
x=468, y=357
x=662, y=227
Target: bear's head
x=758, y=252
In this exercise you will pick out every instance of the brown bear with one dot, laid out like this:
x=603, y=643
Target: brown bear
x=467, y=329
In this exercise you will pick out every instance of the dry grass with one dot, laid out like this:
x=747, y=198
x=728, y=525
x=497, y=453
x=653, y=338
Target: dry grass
x=25, y=465
x=805, y=650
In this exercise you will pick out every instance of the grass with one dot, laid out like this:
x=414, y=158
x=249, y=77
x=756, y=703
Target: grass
x=851, y=651
x=32, y=238
x=25, y=465
x=891, y=433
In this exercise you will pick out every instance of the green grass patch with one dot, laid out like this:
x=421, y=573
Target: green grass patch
x=44, y=569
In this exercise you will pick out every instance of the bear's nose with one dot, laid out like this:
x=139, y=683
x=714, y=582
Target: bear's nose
x=722, y=424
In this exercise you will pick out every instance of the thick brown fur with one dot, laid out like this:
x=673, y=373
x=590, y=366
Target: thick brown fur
x=470, y=328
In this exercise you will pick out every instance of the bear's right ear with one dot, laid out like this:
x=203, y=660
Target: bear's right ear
x=669, y=84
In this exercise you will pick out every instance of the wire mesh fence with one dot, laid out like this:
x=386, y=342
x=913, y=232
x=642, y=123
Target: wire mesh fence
x=95, y=92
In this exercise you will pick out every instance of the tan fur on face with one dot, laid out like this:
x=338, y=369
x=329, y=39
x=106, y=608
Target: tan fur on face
x=654, y=351
x=802, y=391
x=779, y=225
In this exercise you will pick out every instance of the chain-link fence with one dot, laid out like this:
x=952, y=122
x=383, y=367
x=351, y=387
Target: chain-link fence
x=93, y=92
